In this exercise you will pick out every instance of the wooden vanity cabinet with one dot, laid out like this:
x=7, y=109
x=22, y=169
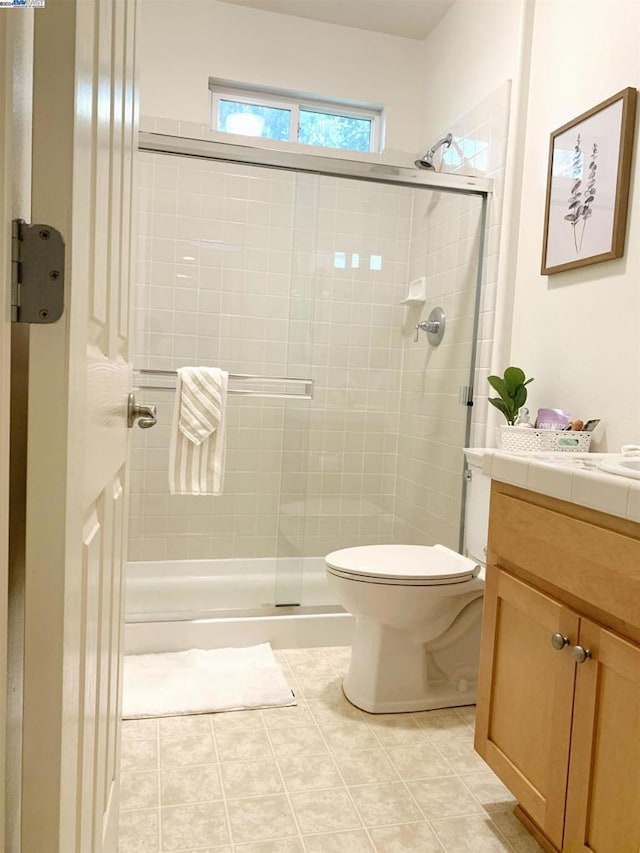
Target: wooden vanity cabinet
x=564, y=736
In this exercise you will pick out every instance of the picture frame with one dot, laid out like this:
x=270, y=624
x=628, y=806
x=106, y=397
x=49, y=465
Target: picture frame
x=588, y=178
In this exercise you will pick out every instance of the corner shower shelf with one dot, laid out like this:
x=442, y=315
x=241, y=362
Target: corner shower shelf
x=263, y=386
x=417, y=293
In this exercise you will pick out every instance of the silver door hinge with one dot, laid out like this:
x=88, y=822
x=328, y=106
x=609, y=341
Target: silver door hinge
x=37, y=273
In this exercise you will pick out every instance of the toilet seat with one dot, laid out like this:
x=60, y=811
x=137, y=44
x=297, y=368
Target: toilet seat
x=402, y=565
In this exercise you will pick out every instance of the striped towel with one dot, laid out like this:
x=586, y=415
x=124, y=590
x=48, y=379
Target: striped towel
x=197, y=452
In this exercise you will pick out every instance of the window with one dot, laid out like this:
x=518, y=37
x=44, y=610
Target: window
x=285, y=116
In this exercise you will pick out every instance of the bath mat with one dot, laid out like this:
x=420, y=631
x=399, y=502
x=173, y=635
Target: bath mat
x=201, y=682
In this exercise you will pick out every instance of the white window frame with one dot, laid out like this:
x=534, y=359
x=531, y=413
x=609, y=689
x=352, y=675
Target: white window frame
x=294, y=102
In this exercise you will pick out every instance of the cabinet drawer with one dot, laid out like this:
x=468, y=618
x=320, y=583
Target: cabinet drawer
x=591, y=563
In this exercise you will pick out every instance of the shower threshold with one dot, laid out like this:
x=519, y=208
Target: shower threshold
x=286, y=627
x=265, y=610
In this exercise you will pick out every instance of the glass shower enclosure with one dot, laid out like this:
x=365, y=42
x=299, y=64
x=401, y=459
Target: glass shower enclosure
x=345, y=426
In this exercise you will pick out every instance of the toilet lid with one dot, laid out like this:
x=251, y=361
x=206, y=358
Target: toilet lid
x=409, y=564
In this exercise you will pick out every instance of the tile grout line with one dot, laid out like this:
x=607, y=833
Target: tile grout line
x=222, y=790
x=158, y=785
x=284, y=786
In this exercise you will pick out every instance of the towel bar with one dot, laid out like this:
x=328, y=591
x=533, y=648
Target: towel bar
x=305, y=386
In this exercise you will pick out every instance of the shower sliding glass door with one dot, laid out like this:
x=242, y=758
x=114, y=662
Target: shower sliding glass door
x=282, y=274
x=377, y=457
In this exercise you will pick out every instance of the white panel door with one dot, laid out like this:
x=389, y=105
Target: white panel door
x=84, y=115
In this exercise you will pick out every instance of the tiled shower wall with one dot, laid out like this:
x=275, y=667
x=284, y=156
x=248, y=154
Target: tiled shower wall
x=444, y=248
x=269, y=273
x=341, y=489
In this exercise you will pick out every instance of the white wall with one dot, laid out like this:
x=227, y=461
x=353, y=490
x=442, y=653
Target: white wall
x=184, y=42
x=470, y=54
x=578, y=332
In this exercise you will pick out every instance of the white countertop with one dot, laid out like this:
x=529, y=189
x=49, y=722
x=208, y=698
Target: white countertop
x=572, y=477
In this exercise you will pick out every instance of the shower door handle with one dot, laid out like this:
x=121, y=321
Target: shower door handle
x=145, y=414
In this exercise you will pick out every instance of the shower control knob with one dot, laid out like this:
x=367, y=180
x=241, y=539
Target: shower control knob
x=433, y=326
x=559, y=641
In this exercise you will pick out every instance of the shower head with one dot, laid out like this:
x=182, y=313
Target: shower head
x=426, y=162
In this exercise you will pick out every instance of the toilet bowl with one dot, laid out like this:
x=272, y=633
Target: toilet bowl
x=418, y=613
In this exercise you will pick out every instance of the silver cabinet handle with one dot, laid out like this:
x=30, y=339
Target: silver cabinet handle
x=580, y=654
x=559, y=641
x=143, y=413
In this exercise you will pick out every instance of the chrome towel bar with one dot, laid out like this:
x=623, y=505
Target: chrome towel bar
x=299, y=389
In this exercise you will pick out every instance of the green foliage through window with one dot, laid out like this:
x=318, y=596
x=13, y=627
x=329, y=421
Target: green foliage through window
x=290, y=117
x=333, y=131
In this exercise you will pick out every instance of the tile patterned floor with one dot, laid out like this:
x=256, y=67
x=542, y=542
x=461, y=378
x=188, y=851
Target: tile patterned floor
x=320, y=777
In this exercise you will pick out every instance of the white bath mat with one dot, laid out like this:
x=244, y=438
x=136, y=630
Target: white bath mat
x=200, y=682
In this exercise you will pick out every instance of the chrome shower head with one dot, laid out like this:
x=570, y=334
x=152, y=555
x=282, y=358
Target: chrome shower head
x=426, y=162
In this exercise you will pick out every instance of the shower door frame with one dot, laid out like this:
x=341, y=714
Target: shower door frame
x=292, y=161
x=371, y=171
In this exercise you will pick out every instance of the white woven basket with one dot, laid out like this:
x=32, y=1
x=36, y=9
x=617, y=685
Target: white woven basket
x=525, y=439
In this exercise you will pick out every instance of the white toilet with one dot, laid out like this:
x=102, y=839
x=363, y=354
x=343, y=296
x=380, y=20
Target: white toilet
x=418, y=612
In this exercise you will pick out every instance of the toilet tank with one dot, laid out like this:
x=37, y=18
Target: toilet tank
x=476, y=519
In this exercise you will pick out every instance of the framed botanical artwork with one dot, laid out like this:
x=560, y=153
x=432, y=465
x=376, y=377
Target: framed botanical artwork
x=588, y=186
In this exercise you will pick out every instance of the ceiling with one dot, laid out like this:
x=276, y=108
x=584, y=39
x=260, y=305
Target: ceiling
x=408, y=18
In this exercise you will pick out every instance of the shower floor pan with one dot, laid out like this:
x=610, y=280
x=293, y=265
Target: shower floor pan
x=208, y=604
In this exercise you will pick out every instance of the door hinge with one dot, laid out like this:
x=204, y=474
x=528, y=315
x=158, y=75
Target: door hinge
x=465, y=397
x=37, y=273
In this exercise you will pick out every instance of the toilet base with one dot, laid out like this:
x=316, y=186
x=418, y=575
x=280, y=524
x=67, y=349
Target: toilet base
x=441, y=695
x=392, y=673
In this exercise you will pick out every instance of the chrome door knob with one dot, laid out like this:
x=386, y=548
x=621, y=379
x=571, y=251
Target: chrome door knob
x=580, y=654
x=145, y=414
x=559, y=641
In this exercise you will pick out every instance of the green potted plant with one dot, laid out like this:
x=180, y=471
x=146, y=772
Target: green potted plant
x=512, y=390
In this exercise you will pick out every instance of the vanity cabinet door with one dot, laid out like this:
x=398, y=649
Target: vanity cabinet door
x=525, y=696
x=603, y=803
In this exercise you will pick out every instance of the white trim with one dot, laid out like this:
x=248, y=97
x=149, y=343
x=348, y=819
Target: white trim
x=241, y=98
x=294, y=130
x=6, y=140
x=262, y=96
x=283, y=632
